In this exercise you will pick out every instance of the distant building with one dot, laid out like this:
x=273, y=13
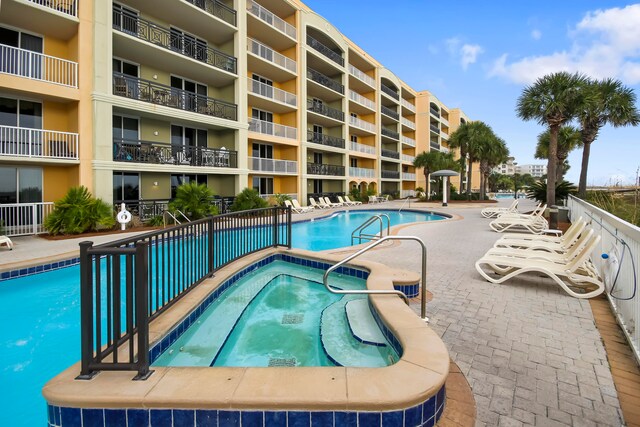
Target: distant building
x=535, y=171
x=507, y=168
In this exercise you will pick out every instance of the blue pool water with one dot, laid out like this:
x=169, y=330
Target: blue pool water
x=41, y=318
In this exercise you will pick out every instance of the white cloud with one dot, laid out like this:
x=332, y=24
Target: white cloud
x=606, y=43
x=466, y=53
x=536, y=34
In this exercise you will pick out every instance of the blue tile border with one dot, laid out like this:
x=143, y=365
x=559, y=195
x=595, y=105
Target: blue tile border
x=28, y=271
x=411, y=291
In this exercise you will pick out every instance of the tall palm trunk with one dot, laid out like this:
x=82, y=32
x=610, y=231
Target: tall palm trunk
x=582, y=185
x=469, y=173
x=463, y=170
x=552, y=163
x=426, y=178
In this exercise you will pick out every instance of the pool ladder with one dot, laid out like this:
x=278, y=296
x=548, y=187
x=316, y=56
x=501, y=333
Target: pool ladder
x=367, y=223
x=423, y=291
x=174, y=217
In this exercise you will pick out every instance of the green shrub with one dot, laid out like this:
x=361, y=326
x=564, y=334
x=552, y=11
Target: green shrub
x=354, y=194
x=624, y=206
x=538, y=191
x=281, y=198
x=155, y=221
x=194, y=200
x=78, y=212
x=248, y=199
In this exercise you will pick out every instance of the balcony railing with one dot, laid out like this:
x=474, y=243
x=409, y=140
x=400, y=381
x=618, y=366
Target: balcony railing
x=268, y=54
x=323, y=169
x=434, y=111
x=392, y=93
x=325, y=110
x=328, y=140
x=362, y=148
x=326, y=51
x=362, y=124
x=273, y=165
x=36, y=66
x=362, y=172
x=38, y=143
x=159, y=153
x=444, y=149
x=408, y=141
x=408, y=158
x=389, y=174
x=408, y=176
x=21, y=219
x=69, y=7
x=163, y=37
x=275, y=21
x=407, y=122
x=390, y=133
x=361, y=75
x=274, y=129
x=148, y=91
x=389, y=112
x=435, y=129
x=434, y=145
x=407, y=193
x=217, y=9
x=271, y=92
x=409, y=106
x=325, y=81
x=355, y=96
x=390, y=153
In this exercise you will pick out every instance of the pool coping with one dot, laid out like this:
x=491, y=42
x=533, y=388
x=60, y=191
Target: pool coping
x=418, y=376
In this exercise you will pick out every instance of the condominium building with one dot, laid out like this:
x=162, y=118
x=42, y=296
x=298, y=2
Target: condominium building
x=536, y=171
x=132, y=98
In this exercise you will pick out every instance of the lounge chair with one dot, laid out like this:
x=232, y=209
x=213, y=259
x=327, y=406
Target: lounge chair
x=543, y=242
x=330, y=203
x=355, y=203
x=344, y=202
x=492, y=212
x=294, y=208
x=317, y=205
x=566, y=275
x=4, y=240
x=302, y=209
x=373, y=199
x=533, y=223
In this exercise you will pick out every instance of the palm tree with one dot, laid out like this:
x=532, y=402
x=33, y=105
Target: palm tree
x=433, y=161
x=568, y=140
x=553, y=100
x=194, y=200
x=605, y=102
x=492, y=151
x=468, y=137
x=458, y=139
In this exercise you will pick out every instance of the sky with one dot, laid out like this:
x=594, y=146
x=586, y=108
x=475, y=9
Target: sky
x=480, y=55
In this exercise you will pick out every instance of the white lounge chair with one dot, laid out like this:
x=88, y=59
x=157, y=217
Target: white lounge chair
x=355, y=203
x=328, y=202
x=373, y=199
x=294, y=208
x=566, y=275
x=317, y=205
x=492, y=212
x=303, y=209
x=543, y=242
x=533, y=223
x=344, y=202
x=4, y=240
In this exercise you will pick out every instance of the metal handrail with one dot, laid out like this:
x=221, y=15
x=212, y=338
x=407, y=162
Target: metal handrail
x=423, y=314
x=407, y=199
x=368, y=222
x=175, y=219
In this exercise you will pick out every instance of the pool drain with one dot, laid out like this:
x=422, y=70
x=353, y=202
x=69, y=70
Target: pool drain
x=281, y=361
x=292, y=319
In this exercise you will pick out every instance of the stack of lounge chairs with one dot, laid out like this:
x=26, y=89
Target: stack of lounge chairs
x=514, y=221
x=493, y=212
x=326, y=203
x=296, y=207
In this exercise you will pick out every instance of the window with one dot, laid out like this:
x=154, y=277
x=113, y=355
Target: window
x=317, y=186
x=180, y=179
x=22, y=114
x=20, y=185
x=25, y=62
x=265, y=125
x=125, y=67
x=263, y=151
x=126, y=187
x=263, y=185
x=317, y=129
x=354, y=138
x=262, y=86
x=125, y=19
x=193, y=94
x=317, y=158
x=188, y=44
x=125, y=79
x=183, y=141
x=353, y=162
x=125, y=128
x=354, y=115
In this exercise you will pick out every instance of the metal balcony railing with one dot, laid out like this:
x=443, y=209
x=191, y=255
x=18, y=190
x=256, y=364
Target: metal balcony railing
x=274, y=129
x=323, y=169
x=362, y=124
x=361, y=75
x=217, y=9
x=434, y=145
x=273, y=165
x=389, y=112
x=175, y=42
x=362, y=148
x=270, y=18
x=391, y=92
x=390, y=133
x=37, y=66
x=21, y=219
x=328, y=140
x=389, y=174
x=159, y=153
x=408, y=158
x=407, y=176
x=355, y=96
x=407, y=193
x=409, y=106
x=434, y=111
x=390, y=153
x=408, y=141
x=271, y=92
x=325, y=110
x=69, y=7
x=268, y=54
x=362, y=172
x=435, y=129
x=326, y=51
x=325, y=81
x=38, y=143
x=155, y=93
x=407, y=122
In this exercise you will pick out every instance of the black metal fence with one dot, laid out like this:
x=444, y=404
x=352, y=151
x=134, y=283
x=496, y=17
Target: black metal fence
x=138, y=151
x=127, y=283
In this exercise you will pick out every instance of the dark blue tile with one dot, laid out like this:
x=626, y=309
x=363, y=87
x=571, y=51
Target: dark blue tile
x=228, y=418
x=393, y=419
x=298, y=419
x=57, y=413
x=93, y=418
x=138, y=417
x=275, y=419
x=70, y=417
x=252, y=418
x=369, y=419
x=429, y=408
x=206, y=418
x=322, y=419
x=431, y=422
x=413, y=416
x=184, y=417
x=50, y=414
x=161, y=418
x=115, y=418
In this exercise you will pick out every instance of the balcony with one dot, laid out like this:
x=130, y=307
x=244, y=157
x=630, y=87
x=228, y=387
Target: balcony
x=272, y=165
x=159, y=153
x=408, y=158
x=272, y=20
x=384, y=174
x=322, y=169
x=392, y=93
x=356, y=97
x=270, y=92
x=434, y=146
x=325, y=81
x=38, y=143
x=36, y=66
x=390, y=153
x=407, y=193
x=65, y=6
x=408, y=123
x=408, y=141
x=362, y=124
x=360, y=75
x=155, y=93
x=273, y=129
x=328, y=140
x=409, y=106
x=325, y=51
x=270, y=55
x=163, y=37
x=434, y=111
x=325, y=110
x=408, y=176
x=390, y=133
x=389, y=112
x=362, y=148
x=435, y=129
x=217, y=9
x=362, y=172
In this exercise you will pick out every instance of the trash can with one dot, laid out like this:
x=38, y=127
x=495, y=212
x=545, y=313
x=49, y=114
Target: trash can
x=553, y=217
x=563, y=214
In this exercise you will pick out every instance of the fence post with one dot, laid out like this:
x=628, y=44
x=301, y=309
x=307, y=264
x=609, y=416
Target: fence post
x=86, y=311
x=210, y=244
x=289, y=227
x=142, y=309
x=275, y=226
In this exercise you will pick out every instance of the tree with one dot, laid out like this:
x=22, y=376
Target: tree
x=604, y=102
x=568, y=140
x=433, y=161
x=247, y=199
x=194, y=200
x=522, y=181
x=458, y=139
x=553, y=100
x=77, y=212
x=492, y=151
x=469, y=137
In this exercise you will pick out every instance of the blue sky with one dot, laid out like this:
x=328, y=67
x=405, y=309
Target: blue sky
x=479, y=55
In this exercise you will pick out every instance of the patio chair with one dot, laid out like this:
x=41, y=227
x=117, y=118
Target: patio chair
x=543, y=242
x=373, y=199
x=4, y=240
x=573, y=274
x=492, y=212
x=344, y=202
x=355, y=203
x=533, y=223
x=330, y=203
x=317, y=205
x=302, y=209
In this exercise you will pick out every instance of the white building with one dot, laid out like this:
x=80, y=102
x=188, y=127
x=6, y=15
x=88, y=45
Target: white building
x=534, y=170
